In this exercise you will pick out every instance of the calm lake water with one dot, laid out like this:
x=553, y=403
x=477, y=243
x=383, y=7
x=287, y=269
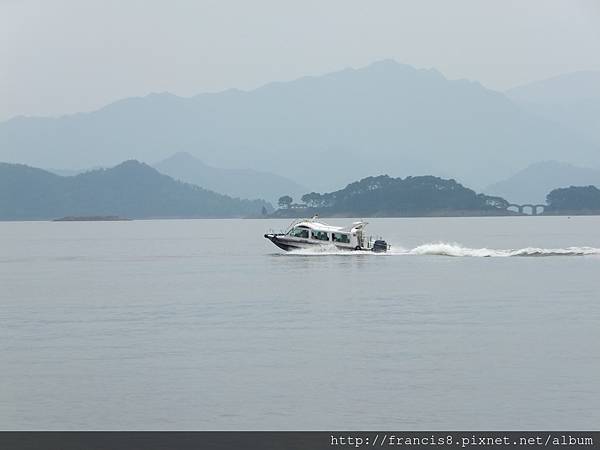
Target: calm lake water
x=204, y=324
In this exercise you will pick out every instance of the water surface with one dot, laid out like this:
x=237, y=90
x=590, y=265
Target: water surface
x=203, y=324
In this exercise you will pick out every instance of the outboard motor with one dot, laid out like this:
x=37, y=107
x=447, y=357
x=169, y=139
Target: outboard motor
x=379, y=246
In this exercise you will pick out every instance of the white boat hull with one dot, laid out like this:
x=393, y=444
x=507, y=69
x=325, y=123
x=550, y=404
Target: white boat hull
x=287, y=243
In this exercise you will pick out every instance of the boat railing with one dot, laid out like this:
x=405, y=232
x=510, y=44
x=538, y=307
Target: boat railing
x=360, y=225
x=297, y=221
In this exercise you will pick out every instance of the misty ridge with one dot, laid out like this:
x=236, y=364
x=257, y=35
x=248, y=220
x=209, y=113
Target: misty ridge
x=244, y=183
x=532, y=184
x=129, y=190
x=323, y=132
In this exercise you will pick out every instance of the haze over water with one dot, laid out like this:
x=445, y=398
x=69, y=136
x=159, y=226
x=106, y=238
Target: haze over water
x=203, y=324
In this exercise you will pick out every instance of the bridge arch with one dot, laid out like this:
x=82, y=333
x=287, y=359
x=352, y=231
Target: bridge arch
x=528, y=208
x=532, y=209
x=515, y=208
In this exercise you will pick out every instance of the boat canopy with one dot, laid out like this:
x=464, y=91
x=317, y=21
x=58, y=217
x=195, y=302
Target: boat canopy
x=314, y=224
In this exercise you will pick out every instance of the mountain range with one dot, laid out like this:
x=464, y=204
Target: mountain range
x=242, y=183
x=320, y=131
x=130, y=189
x=570, y=100
x=532, y=184
x=136, y=190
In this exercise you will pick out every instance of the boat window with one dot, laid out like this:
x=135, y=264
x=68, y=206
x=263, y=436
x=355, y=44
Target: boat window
x=298, y=232
x=320, y=235
x=340, y=237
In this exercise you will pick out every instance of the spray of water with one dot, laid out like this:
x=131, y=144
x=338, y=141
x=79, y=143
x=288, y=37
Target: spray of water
x=445, y=249
x=455, y=250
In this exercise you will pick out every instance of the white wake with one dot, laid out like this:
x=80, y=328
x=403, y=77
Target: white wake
x=445, y=249
x=455, y=250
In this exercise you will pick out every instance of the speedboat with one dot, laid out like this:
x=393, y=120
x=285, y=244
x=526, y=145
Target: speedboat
x=309, y=233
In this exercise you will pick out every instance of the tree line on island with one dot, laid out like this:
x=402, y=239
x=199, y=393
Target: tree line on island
x=574, y=200
x=387, y=196
x=428, y=196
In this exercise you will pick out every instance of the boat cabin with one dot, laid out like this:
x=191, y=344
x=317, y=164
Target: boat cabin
x=311, y=230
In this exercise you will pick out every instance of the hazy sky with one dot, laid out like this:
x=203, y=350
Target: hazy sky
x=59, y=56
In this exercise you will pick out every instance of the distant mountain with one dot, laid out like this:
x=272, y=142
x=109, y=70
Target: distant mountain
x=532, y=184
x=571, y=100
x=131, y=189
x=384, y=196
x=70, y=172
x=242, y=183
x=321, y=131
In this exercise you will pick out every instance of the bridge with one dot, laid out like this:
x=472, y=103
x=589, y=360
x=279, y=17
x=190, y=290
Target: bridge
x=533, y=210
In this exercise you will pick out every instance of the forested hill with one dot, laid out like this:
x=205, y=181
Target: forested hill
x=411, y=196
x=574, y=200
x=131, y=189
